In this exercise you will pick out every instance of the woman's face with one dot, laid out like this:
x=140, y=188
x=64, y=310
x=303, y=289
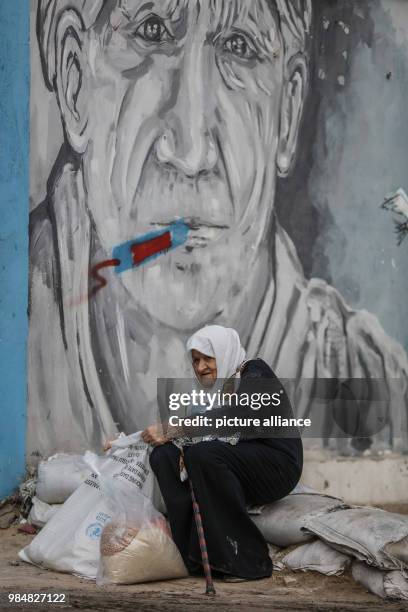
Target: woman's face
x=205, y=368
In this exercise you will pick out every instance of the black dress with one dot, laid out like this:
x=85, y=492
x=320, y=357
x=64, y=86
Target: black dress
x=226, y=479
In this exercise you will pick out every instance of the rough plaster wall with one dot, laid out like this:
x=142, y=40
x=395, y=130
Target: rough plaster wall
x=45, y=128
x=353, y=152
x=361, y=156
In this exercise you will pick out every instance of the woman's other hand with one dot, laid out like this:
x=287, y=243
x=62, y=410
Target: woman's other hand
x=154, y=435
x=108, y=445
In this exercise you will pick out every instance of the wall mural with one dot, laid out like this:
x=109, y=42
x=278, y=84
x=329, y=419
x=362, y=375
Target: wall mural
x=187, y=127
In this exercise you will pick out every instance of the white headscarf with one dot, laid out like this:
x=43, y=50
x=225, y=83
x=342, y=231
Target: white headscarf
x=223, y=343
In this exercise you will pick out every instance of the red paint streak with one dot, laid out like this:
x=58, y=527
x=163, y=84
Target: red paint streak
x=140, y=252
x=102, y=282
x=143, y=250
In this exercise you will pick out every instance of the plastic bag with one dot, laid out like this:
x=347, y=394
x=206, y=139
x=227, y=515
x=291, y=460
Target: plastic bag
x=59, y=476
x=319, y=557
x=136, y=544
x=70, y=541
x=387, y=585
x=372, y=535
x=281, y=522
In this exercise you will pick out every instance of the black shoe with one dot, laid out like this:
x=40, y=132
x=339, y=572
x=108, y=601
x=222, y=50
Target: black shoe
x=230, y=578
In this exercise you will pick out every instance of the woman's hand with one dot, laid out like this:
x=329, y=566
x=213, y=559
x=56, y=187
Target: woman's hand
x=159, y=433
x=108, y=444
x=155, y=435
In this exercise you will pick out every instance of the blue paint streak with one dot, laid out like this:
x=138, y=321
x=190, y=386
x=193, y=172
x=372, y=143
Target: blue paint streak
x=14, y=185
x=179, y=234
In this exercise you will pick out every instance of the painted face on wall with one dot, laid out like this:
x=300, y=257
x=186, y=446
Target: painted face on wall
x=185, y=120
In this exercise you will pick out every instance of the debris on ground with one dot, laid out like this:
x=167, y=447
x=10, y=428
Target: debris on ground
x=9, y=512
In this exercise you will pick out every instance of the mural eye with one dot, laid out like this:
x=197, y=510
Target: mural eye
x=153, y=30
x=240, y=46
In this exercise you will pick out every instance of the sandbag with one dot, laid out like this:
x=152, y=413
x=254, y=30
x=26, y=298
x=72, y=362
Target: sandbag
x=302, y=488
x=41, y=512
x=372, y=535
x=70, y=541
x=318, y=557
x=59, y=476
x=386, y=584
x=281, y=522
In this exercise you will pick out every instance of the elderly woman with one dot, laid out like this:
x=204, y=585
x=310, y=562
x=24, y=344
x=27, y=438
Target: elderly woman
x=227, y=474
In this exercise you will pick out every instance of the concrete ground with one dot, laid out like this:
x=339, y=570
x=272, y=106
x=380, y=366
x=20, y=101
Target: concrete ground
x=283, y=591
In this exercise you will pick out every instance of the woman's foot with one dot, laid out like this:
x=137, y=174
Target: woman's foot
x=230, y=578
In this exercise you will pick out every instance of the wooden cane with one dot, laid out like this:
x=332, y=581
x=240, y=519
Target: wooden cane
x=209, y=589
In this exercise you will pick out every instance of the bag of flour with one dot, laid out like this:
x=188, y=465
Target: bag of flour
x=388, y=585
x=136, y=544
x=59, y=476
x=318, y=557
x=70, y=541
x=372, y=535
x=281, y=522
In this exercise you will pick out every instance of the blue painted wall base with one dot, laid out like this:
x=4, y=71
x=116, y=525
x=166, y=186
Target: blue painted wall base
x=14, y=186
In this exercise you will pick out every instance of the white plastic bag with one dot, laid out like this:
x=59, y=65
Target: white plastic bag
x=318, y=557
x=136, y=544
x=372, y=535
x=281, y=522
x=59, y=476
x=388, y=585
x=70, y=541
x=41, y=512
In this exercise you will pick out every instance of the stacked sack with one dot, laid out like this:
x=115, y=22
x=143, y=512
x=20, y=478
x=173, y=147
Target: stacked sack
x=282, y=522
x=378, y=542
x=57, y=478
x=374, y=542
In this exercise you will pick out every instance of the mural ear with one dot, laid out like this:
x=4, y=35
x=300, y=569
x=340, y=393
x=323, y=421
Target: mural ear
x=70, y=77
x=291, y=113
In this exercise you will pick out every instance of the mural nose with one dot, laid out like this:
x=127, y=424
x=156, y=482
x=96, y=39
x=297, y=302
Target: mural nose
x=191, y=154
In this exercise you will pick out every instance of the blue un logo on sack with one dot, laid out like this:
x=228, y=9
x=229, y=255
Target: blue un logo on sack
x=94, y=531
